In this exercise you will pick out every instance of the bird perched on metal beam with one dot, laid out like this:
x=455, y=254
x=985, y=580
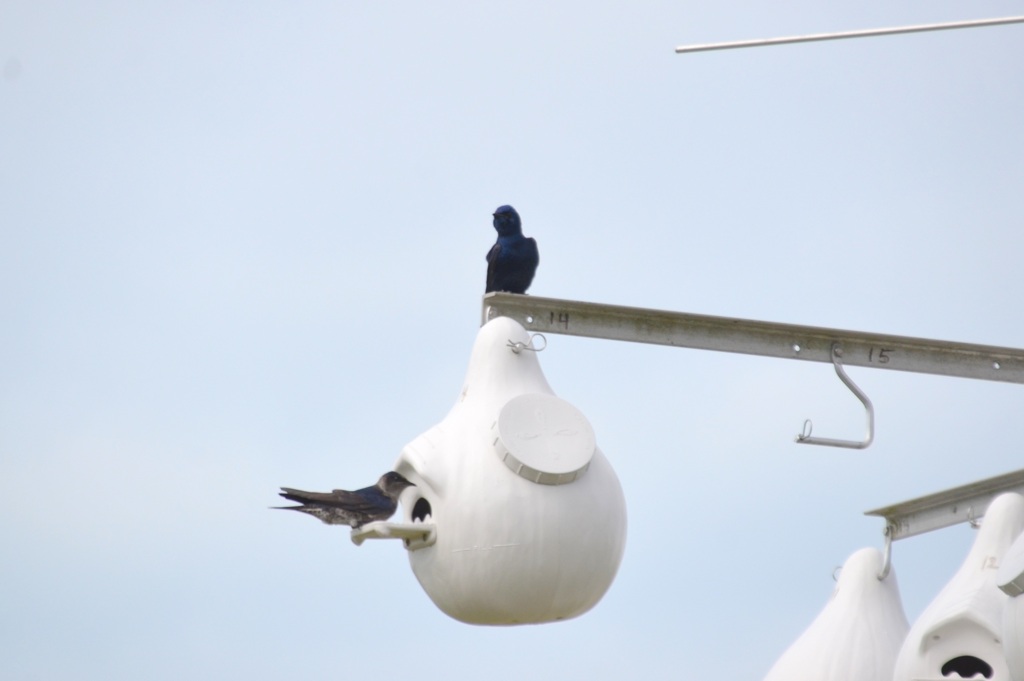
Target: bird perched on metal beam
x=355, y=509
x=512, y=260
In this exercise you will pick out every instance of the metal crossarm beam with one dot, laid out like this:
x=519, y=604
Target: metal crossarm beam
x=768, y=339
x=942, y=509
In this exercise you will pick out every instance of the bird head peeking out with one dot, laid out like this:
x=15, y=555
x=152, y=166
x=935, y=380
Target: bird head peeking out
x=392, y=484
x=506, y=221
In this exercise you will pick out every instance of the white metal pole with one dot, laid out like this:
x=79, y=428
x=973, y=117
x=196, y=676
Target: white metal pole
x=848, y=34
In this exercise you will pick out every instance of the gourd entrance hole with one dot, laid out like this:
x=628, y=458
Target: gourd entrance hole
x=421, y=509
x=966, y=667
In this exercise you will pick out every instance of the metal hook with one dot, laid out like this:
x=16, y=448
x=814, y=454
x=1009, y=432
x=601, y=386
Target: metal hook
x=972, y=519
x=887, y=556
x=519, y=346
x=805, y=436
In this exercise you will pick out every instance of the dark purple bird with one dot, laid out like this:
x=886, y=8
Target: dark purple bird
x=512, y=260
x=355, y=509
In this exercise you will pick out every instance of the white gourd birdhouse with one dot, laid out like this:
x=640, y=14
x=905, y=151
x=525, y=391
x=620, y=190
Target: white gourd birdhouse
x=529, y=517
x=960, y=634
x=858, y=634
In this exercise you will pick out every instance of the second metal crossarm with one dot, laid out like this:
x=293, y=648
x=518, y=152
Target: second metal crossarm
x=966, y=503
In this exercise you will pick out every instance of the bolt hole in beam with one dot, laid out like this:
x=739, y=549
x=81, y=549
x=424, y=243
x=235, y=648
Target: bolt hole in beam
x=767, y=339
x=866, y=33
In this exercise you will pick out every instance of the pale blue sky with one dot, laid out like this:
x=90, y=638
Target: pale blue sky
x=241, y=246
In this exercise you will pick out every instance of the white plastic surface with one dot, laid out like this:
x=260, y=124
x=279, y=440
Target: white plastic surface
x=1010, y=579
x=858, y=634
x=966, y=618
x=415, y=535
x=544, y=439
x=509, y=550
